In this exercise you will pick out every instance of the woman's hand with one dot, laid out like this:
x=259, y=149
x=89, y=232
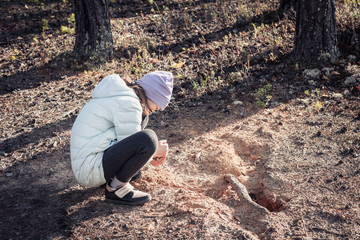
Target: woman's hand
x=160, y=156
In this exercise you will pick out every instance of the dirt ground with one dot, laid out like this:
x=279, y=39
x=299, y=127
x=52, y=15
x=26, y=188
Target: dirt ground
x=297, y=154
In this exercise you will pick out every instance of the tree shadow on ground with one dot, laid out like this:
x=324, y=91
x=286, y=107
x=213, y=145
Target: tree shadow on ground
x=21, y=20
x=175, y=48
x=240, y=26
x=36, y=135
x=128, y=8
x=41, y=199
x=347, y=39
x=62, y=65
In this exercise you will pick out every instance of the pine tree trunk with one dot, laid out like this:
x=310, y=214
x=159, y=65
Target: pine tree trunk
x=315, y=33
x=94, y=39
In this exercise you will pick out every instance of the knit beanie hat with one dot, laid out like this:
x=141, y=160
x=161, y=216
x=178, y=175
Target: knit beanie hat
x=158, y=87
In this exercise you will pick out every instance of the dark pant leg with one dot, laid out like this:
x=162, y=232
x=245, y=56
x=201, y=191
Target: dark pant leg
x=128, y=156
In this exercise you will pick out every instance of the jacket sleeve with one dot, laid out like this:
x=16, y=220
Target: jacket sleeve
x=127, y=120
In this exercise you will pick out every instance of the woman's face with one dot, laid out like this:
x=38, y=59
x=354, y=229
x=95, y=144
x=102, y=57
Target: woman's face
x=153, y=106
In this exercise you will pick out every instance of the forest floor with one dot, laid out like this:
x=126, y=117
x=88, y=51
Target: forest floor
x=290, y=135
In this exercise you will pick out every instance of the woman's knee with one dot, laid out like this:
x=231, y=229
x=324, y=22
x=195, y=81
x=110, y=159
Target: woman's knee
x=149, y=139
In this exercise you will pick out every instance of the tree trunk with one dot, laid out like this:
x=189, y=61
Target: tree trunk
x=94, y=39
x=315, y=33
x=287, y=4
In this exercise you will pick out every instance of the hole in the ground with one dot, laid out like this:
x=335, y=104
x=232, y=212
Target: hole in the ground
x=268, y=200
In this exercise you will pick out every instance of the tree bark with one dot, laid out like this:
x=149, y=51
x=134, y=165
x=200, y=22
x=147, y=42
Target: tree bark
x=94, y=39
x=315, y=33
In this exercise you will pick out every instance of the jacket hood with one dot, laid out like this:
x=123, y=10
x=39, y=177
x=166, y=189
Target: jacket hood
x=112, y=86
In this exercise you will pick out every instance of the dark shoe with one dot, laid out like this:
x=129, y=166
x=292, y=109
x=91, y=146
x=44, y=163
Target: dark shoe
x=126, y=195
x=135, y=177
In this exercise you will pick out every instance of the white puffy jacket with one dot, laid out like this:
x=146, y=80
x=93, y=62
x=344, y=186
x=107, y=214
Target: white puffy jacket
x=113, y=113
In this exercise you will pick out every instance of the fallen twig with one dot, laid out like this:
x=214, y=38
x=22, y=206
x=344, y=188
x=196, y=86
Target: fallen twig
x=244, y=195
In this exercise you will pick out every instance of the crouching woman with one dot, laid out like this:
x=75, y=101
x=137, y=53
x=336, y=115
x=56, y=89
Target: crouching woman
x=109, y=143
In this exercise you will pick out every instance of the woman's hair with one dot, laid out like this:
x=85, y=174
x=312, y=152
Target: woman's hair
x=139, y=91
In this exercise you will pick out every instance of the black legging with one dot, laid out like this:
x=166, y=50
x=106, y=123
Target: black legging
x=127, y=157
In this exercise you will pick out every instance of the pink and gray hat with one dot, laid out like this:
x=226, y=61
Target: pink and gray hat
x=158, y=87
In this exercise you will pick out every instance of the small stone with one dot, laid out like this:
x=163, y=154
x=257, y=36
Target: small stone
x=352, y=58
x=337, y=95
x=350, y=80
x=9, y=174
x=235, y=75
x=198, y=156
x=238, y=103
x=276, y=104
x=311, y=82
x=352, y=68
x=305, y=101
x=312, y=73
x=327, y=71
x=347, y=93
